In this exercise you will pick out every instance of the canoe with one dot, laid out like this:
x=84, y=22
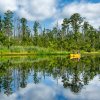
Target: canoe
x=75, y=56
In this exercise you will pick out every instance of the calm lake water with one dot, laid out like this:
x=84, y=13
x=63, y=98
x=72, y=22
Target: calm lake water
x=50, y=78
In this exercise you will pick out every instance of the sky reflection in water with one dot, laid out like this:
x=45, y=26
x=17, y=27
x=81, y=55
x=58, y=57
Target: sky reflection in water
x=51, y=86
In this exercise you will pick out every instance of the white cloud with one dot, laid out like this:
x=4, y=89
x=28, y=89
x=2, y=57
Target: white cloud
x=37, y=9
x=91, y=11
x=30, y=9
x=45, y=9
x=8, y=5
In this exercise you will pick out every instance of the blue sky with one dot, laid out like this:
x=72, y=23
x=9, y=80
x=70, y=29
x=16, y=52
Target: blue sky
x=50, y=12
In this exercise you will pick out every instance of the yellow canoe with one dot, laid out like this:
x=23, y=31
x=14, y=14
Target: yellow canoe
x=75, y=56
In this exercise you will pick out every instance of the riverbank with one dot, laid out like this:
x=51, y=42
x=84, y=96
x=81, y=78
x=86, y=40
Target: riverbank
x=91, y=53
x=33, y=50
x=30, y=50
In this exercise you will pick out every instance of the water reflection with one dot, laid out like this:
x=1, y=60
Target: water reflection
x=49, y=78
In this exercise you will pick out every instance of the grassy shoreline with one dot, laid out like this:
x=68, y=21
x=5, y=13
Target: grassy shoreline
x=91, y=53
x=31, y=50
x=52, y=53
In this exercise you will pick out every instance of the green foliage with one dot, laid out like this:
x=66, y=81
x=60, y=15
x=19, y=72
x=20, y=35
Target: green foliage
x=74, y=34
x=8, y=25
x=25, y=30
x=36, y=37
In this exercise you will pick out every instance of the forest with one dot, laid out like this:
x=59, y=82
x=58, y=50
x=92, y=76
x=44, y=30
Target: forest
x=75, y=33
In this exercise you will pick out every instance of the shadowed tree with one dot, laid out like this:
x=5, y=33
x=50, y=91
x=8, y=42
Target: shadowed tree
x=35, y=29
x=8, y=25
x=0, y=24
x=25, y=30
x=76, y=21
x=23, y=24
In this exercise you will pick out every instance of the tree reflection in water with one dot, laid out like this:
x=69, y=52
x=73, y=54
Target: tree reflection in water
x=75, y=74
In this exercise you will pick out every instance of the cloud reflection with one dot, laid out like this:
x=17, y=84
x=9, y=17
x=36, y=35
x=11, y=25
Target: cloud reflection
x=55, y=92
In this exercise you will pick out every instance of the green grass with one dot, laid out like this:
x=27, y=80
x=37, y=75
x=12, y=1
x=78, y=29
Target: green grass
x=33, y=50
x=91, y=53
x=30, y=50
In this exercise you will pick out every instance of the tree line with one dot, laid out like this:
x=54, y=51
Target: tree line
x=75, y=33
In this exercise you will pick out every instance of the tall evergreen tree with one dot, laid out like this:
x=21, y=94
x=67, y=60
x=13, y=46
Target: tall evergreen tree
x=0, y=24
x=76, y=21
x=23, y=27
x=35, y=29
x=8, y=25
